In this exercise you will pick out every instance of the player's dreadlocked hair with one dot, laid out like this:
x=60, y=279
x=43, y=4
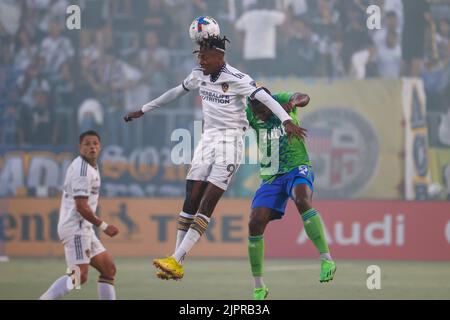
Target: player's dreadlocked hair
x=213, y=42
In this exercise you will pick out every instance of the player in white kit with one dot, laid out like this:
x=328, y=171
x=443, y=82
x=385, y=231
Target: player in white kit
x=75, y=226
x=223, y=90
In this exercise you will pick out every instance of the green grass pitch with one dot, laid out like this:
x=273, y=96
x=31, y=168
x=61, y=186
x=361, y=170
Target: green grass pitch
x=222, y=279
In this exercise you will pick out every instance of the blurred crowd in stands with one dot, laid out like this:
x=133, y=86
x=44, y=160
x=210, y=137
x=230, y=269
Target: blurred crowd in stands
x=56, y=82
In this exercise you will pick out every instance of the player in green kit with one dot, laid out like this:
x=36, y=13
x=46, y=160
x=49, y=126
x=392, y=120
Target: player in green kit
x=286, y=173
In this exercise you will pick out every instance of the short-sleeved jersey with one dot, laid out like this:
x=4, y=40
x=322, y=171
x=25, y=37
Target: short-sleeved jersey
x=82, y=180
x=223, y=96
x=290, y=156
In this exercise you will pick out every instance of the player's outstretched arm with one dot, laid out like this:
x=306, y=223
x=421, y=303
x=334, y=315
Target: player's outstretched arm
x=163, y=99
x=86, y=212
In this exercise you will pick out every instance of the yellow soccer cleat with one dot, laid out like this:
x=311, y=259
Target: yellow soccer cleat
x=171, y=266
x=165, y=276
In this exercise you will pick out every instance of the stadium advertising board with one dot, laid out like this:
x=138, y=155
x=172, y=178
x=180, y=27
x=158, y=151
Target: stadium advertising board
x=388, y=230
x=391, y=230
x=32, y=172
x=40, y=172
x=355, y=136
x=148, y=227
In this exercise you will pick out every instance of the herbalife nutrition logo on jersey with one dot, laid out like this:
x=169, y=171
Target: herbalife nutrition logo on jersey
x=230, y=146
x=215, y=97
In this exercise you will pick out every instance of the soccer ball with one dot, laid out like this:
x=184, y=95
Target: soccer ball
x=202, y=28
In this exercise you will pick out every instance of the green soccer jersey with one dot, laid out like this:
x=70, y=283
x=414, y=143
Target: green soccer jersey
x=277, y=155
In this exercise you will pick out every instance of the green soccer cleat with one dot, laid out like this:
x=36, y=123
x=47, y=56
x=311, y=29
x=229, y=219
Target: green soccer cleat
x=260, y=293
x=327, y=270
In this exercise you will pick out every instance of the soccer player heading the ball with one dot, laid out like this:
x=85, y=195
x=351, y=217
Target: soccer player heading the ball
x=223, y=90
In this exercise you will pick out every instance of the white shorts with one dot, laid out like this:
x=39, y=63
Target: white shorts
x=80, y=248
x=217, y=157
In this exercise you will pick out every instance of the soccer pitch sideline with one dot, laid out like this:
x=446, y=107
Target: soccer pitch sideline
x=224, y=279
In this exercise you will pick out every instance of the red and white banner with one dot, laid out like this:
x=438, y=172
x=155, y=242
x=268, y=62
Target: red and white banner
x=387, y=230
x=384, y=230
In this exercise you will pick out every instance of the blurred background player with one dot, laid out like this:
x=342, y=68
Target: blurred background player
x=293, y=179
x=223, y=90
x=76, y=218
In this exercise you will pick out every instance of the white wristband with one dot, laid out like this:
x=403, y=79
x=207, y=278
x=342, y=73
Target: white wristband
x=103, y=225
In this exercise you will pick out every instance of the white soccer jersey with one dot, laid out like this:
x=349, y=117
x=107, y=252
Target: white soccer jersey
x=81, y=180
x=223, y=96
